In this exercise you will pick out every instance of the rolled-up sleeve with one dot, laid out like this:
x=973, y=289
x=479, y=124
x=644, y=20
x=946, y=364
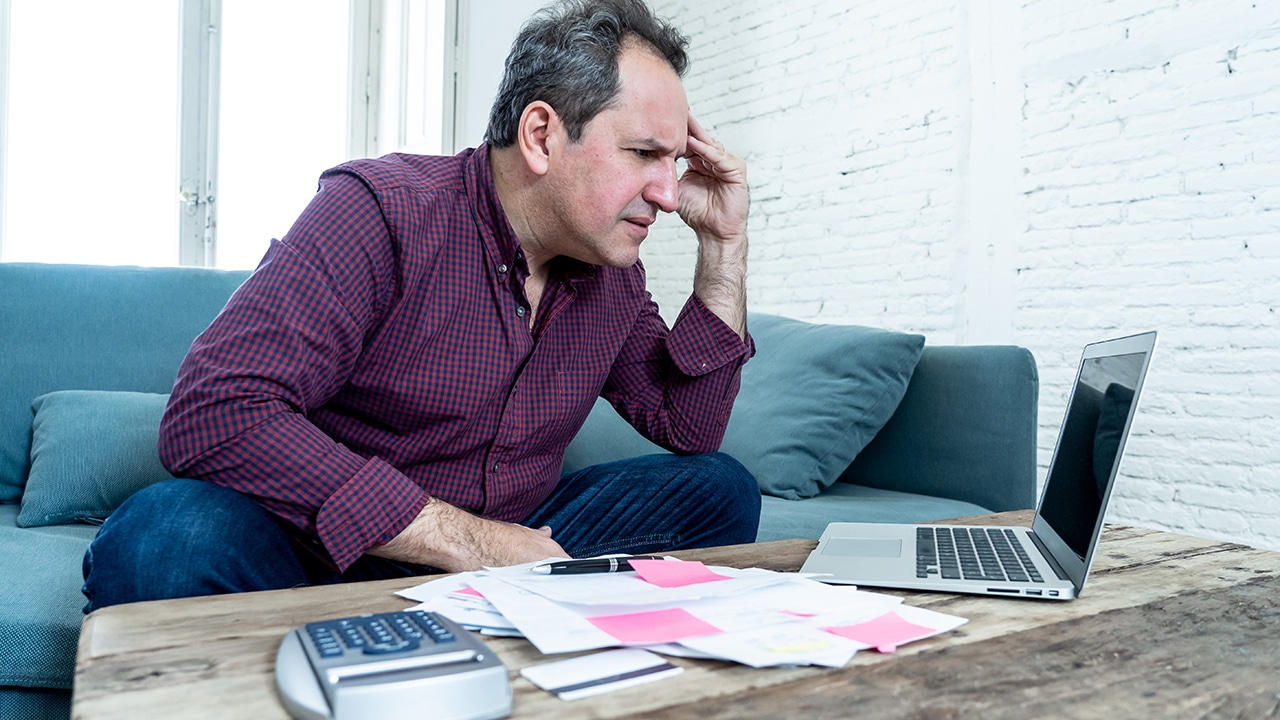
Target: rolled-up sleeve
x=677, y=386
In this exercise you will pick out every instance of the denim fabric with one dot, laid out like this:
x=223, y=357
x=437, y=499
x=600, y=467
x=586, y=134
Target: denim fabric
x=184, y=538
x=652, y=503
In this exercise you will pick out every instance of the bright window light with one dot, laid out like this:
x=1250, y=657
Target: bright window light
x=92, y=146
x=283, y=120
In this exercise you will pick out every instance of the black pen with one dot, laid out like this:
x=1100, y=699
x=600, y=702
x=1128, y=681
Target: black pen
x=589, y=565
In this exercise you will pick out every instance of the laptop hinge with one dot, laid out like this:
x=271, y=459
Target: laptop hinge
x=1048, y=557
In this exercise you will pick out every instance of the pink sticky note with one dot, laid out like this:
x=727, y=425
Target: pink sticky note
x=653, y=627
x=674, y=573
x=884, y=633
x=797, y=613
x=469, y=591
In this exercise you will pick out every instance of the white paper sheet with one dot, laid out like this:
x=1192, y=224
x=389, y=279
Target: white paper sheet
x=550, y=627
x=599, y=673
x=757, y=618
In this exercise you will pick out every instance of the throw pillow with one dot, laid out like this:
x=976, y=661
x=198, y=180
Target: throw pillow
x=90, y=450
x=811, y=399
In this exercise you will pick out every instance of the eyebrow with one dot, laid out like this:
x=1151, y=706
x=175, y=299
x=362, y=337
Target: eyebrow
x=654, y=144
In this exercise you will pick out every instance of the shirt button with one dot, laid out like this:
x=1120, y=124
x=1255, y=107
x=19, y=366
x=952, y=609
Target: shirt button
x=496, y=466
x=520, y=311
x=502, y=269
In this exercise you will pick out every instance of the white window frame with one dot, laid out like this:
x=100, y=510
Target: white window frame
x=402, y=77
x=370, y=101
x=200, y=52
x=367, y=98
x=364, y=72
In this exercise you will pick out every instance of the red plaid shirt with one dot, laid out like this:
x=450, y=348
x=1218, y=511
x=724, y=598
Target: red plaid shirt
x=381, y=354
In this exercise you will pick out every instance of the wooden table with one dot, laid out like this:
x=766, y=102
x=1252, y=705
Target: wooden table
x=1168, y=626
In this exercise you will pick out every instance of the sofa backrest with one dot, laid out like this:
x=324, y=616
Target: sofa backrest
x=966, y=429
x=86, y=327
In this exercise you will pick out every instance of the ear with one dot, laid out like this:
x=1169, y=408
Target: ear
x=539, y=136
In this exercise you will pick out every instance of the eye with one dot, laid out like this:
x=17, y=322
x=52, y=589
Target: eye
x=644, y=153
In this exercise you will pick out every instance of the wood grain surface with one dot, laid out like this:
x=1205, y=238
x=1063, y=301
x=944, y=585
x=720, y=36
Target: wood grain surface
x=1168, y=626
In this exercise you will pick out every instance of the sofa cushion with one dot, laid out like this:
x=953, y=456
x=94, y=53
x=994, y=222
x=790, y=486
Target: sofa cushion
x=811, y=398
x=844, y=502
x=84, y=327
x=40, y=601
x=90, y=449
x=966, y=429
x=22, y=702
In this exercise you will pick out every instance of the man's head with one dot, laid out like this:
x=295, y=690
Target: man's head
x=567, y=56
x=590, y=122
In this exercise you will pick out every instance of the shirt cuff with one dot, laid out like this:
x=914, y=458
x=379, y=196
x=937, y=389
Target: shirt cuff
x=700, y=342
x=369, y=509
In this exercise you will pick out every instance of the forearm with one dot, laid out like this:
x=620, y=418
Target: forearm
x=449, y=538
x=714, y=201
x=720, y=280
x=439, y=536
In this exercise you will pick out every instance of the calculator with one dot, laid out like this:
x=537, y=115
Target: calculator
x=406, y=664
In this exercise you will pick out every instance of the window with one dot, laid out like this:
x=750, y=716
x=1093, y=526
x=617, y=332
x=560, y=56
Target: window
x=283, y=117
x=91, y=151
x=155, y=132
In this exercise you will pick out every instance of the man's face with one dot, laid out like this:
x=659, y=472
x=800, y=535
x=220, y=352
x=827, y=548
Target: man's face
x=610, y=185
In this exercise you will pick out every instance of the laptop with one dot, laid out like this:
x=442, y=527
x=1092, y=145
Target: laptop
x=1050, y=560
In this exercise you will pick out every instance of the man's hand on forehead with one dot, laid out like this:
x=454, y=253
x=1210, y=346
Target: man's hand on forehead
x=713, y=187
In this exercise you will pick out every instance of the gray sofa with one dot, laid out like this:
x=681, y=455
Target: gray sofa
x=87, y=354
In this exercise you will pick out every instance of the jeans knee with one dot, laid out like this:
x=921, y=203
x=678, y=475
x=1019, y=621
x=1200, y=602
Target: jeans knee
x=728, y=486
x=181, y=538
x=183, y=512
x=135, y=529
x=127, y=543
x=730, y=478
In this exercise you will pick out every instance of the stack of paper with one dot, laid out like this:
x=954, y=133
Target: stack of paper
x=602, y=672
x=753, y=616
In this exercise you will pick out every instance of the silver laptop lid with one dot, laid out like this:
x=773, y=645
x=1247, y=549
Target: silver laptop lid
x=1090, y=444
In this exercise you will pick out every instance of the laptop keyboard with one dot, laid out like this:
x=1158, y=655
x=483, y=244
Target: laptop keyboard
x=986, y=554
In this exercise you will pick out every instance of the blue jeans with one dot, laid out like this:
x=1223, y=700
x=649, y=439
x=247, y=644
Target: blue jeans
x=183, y=538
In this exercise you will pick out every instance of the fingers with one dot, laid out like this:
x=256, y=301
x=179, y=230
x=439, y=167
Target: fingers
x=696, y=130
x=701, y=145
x=708, y=156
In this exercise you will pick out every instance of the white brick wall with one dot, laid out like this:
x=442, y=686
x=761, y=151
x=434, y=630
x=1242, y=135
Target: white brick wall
x=845, y=116
x=1036, y=172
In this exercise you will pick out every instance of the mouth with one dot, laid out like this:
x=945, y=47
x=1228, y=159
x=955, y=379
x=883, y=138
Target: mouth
x=641, y=224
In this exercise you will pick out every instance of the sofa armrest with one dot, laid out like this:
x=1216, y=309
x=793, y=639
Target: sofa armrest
x=965, y=430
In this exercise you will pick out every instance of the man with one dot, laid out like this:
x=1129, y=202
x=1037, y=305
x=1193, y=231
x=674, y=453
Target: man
x=392, y=390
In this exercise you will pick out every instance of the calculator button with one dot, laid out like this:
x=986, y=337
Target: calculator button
x=391, y=647
x=407, y=628
x=432, y=627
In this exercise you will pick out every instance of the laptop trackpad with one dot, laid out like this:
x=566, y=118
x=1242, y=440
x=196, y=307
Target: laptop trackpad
x=864, y=547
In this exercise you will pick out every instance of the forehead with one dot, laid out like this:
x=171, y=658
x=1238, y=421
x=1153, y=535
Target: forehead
x=651, y=103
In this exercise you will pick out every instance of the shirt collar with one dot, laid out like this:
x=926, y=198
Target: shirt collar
x=500, y=238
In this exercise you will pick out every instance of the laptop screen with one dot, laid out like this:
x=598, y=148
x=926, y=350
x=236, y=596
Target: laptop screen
x=1084, y=464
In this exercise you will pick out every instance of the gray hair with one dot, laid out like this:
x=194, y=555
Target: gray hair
x=566, y=55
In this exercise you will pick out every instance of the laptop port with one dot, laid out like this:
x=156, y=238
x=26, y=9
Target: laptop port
x=1033, y=592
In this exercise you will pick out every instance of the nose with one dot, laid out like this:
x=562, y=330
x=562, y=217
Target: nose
x=663, y=189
